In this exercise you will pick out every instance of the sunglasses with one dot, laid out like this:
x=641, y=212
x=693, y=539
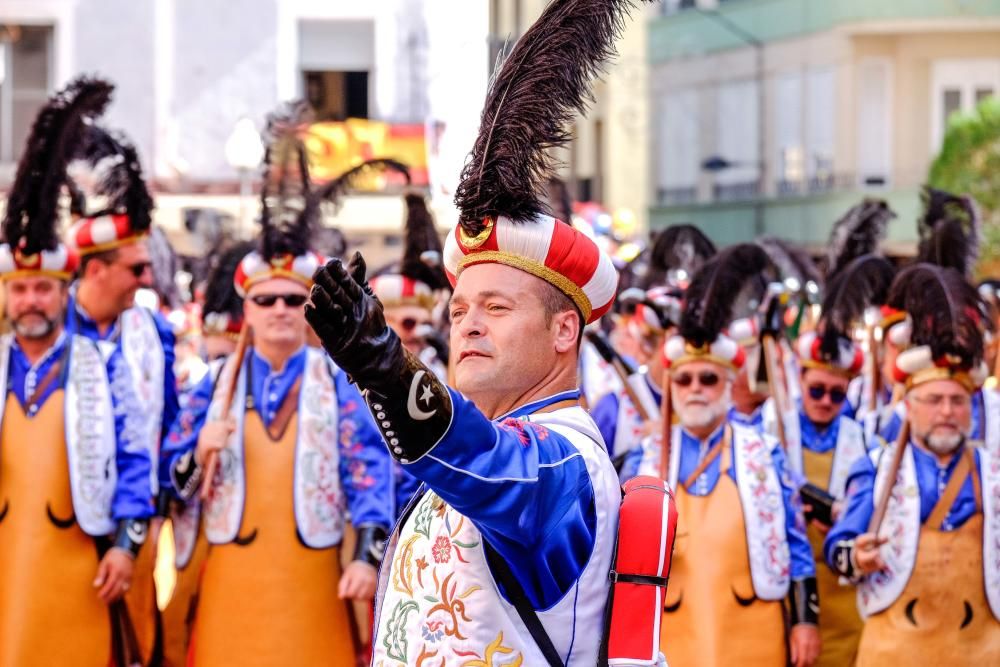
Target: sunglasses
x=705, y=379
x=268, y=300
x=818, y=391
x=411, y=323
x=139, y=268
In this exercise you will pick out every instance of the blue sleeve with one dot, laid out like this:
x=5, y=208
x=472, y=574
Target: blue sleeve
x=605, y=415
x=133, y=498
x=171, y=404
x=630, y=464
x=182, y=435
x=525, y=487
x=405, y=485
x=858, y=510
x=800, y=551
x=365, y=464
x=890, y=431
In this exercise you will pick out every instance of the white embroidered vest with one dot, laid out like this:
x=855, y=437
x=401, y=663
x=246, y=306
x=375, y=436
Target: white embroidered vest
x=849, y=448
x=319, y=501
x=143, y=352
x=90, y=432
x=877, y=592
x=763, y=508
x=991, y=421
x=629, y=426
x=438, y=603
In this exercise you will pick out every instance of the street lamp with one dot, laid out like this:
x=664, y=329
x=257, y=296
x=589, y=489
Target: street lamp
x=244, y=151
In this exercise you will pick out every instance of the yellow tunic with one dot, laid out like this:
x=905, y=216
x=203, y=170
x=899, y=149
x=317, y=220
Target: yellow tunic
x=839, y=621
x=49, y=610
x=270, y=600
x=712, y=617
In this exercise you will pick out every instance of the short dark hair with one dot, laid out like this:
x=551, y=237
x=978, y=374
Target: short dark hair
x=555, y=302
x=104, y=257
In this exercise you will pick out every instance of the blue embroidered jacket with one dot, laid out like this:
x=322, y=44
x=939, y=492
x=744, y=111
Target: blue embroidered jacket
x=133, y=497
x=364, y=465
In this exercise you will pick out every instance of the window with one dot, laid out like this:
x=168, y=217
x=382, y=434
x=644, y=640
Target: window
x=820, y=127
x=336, y=60
x=25, y=75
x=874, y=126
x=677, y=155
x=958, y=86
x=738, y=130
x=790, y=171
x=337, y=95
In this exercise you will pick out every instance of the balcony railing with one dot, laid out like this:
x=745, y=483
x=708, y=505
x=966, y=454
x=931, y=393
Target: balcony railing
x=676, y=196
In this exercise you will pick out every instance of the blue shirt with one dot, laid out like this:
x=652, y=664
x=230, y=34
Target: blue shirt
x=525, y=487
x=694, y=450
x=816, y=439
x=364, y=464
x=132, y=497
x=932, y=478
x=79, y=321
x=605, y=415
x=754, y=420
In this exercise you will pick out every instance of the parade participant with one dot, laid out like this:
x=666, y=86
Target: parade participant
x=115, y=263
x=295, y=453
x=74, y=479
x=830, y=442
x=921, y=529
x=741, y=546
x=950, y=235
x=222, y=306
x=507, y=554
x=676, y=254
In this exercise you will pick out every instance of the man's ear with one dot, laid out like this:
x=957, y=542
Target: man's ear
x=566, y=326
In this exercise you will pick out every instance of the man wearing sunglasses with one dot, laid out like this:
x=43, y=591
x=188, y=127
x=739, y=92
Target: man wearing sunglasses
x=926, y=573
x=741, y=547
x=110, y=235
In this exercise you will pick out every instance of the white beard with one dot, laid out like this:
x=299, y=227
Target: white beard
x=944, y=444
x=700, y=415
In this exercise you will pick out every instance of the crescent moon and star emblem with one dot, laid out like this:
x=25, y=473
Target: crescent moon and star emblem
x=416, y=412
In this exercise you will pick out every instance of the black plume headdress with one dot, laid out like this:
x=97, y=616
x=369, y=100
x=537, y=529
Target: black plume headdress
x=33, y=204
x=220, y=293
x=422, y=255
x=675, y=249
x=354, y=177
x=709, y=300
x=949, y=231
x=863, y=283
x=790, y=260
x=530, y=105
x=858, y=233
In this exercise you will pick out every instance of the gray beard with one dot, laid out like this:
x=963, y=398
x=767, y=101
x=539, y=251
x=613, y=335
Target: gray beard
x=944, y=444
x=35, y=331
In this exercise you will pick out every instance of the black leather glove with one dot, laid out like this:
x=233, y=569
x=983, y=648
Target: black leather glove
x=131, y=535
x=348, y=319
x=803, y=602
x=370, y=547
x=412, y=408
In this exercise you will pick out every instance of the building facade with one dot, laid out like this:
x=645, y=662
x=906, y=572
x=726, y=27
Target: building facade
x=775, y=116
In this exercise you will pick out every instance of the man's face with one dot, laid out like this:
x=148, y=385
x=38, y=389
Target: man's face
x=120, y=279
x=217, y=346
x=940, y=414
x=500, y=340
x=406, y=322
x=701, y=393
x=35, y=305
x=274, y=320
x=823, y=394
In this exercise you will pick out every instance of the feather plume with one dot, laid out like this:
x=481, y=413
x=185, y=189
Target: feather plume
x=862, y=283
x=949, y=231
x=558, y=201
x=947, y=313
x=351, y=179
x=33, y=204
x=423, y=251
x=790, y=260
x=858, y=233
x=220, y=291
x=677, y=248
x=108, y=173
x=288, y=208
x=530, y=105
x=709, y=300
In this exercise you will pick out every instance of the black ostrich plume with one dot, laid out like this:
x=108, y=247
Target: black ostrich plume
x=422, y=255
x=33, y=204
x=790, y=260
x=949, y=231
x=354, y=177
x=862, y=283
x=220, y=291
x=858, y=233
x=531, y=103
x=709, y=300
x=677, y=248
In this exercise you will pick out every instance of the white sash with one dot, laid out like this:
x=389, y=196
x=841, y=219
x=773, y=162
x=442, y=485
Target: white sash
x=763, y=508
x=143, y=352
x=90, y=432
x=850, y=447
x=991, y=421
x=901, y=526
x=990, y=467
x=319, y=514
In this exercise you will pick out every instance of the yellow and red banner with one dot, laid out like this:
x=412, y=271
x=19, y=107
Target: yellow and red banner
x=335, y=147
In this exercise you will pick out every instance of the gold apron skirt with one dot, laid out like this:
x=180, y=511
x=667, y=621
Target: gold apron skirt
x=50, y=614
x=712, y=617
x=839, y=621
x=178, y=616
x=942, y=616
x=266, y=599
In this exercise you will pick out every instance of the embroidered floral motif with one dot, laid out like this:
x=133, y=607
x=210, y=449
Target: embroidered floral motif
x=521, y=429
x=489, y=658
x=442, y=549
